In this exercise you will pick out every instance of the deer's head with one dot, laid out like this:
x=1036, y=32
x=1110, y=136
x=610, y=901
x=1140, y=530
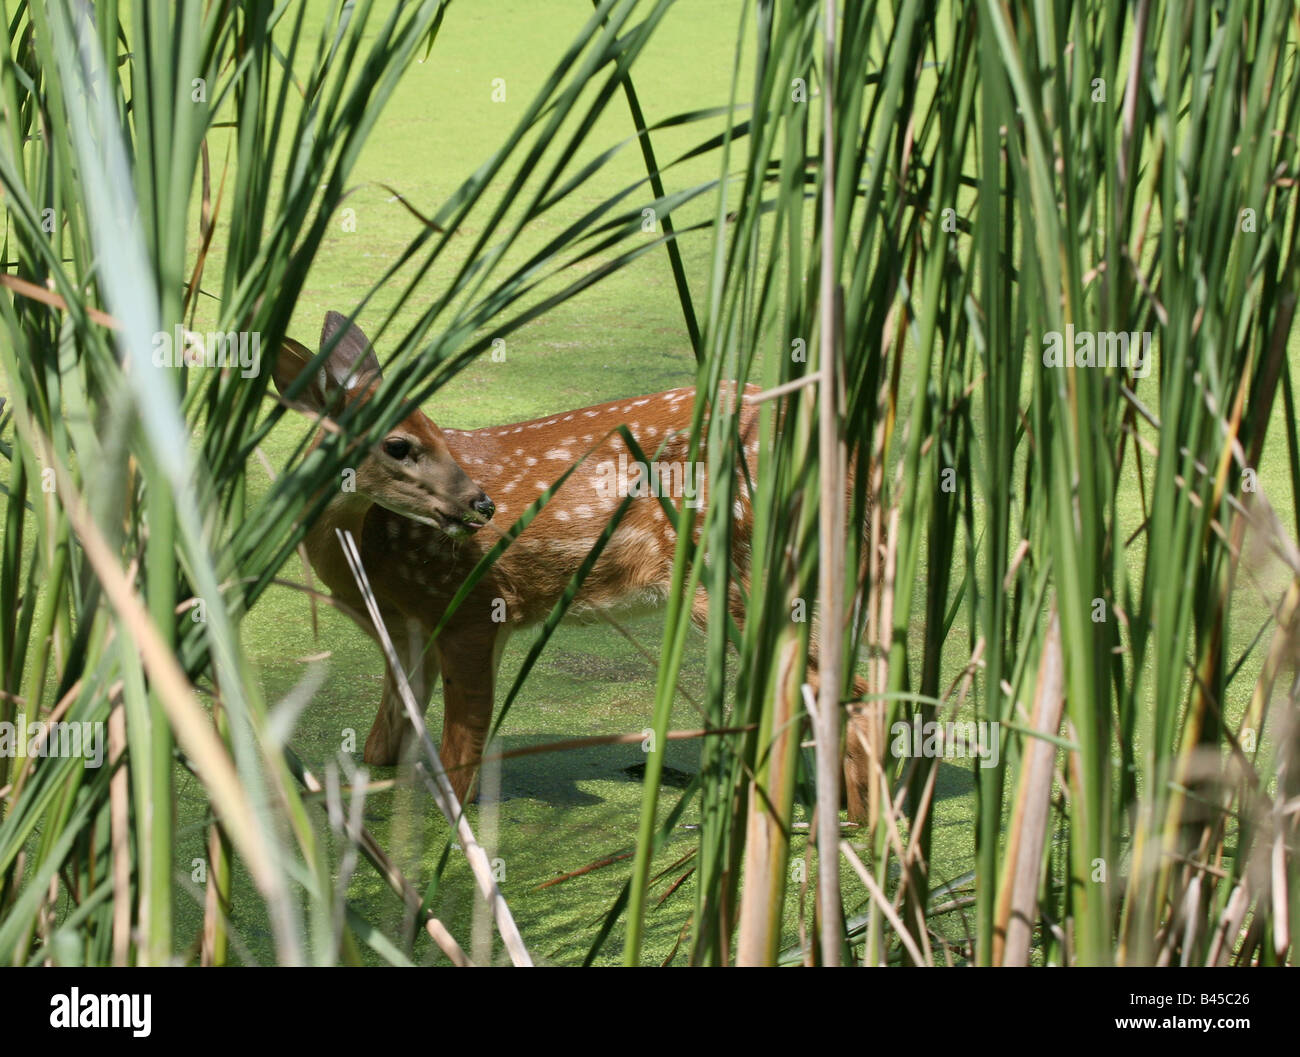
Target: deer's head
x=410, y=472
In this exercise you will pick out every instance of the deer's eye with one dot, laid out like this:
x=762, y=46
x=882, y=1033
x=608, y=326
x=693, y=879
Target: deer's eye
x=397, y=447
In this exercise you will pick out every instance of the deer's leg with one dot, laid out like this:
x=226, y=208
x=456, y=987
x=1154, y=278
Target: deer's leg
x=469, y=663
x=862, y=741
x=392, y=733
x=861, y=784
x=735, y=603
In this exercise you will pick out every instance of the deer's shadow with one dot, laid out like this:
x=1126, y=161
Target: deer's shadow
x=557, y=778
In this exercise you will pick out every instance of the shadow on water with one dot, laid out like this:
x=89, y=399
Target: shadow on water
x=556, y=779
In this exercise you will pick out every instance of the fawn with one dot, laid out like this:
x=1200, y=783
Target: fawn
x=422, y=495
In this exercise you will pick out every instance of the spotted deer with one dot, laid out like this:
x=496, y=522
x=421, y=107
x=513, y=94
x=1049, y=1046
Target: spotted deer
x=421, y=498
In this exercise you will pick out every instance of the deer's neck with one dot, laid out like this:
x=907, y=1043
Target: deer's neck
x=346, y=512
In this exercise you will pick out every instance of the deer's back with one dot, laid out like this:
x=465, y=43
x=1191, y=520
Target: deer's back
x=515, y=464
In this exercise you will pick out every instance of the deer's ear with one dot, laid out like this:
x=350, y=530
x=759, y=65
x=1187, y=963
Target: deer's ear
x=289, y=364
x=352, y=358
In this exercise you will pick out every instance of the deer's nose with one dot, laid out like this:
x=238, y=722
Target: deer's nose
x=484, y=507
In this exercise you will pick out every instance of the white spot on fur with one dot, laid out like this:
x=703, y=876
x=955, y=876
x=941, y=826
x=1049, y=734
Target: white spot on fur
x=636, y=537
x=561, y=515
x=530, y=461
x=591, y=414
x=559, y=455
x=583, y=511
